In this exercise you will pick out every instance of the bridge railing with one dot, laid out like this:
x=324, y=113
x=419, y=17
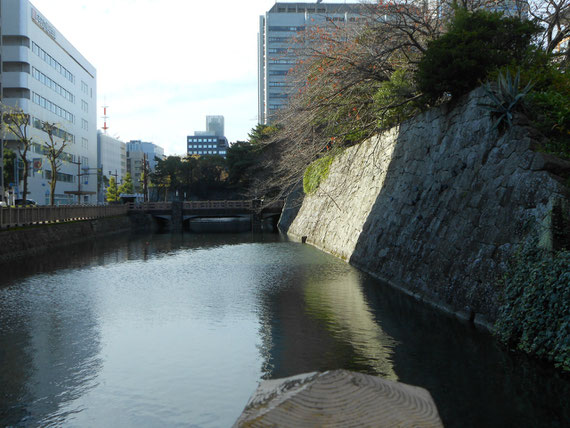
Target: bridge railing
x=145, y=206
x=24, y=216
x=204, y=205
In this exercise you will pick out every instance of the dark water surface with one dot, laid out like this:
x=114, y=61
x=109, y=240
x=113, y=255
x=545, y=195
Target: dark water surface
x=177, y=330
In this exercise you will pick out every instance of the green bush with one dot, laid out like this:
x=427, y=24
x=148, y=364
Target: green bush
x=318, y=171
x=534, y=316
x=547, y=105
x=476, y=44
x=394, y=100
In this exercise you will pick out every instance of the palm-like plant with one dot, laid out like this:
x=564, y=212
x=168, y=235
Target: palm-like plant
x=505, y=97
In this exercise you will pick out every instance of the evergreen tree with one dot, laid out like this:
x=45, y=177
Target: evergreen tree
x=127, y=186
x=112, y=192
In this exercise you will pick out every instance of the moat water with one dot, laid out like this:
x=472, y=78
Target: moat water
x=177, y=330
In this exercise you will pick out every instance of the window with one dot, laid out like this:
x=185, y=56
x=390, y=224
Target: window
x=84, y=143
x=84, y=87
x=84, y=106
x=48, y=105
x=52, y=62
x=283, y=28
x=84, y=125
x=38, y=75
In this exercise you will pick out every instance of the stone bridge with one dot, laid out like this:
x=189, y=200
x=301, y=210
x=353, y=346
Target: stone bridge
x=177, y=212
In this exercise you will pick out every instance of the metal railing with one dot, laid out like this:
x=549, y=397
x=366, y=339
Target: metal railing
x=24, y=216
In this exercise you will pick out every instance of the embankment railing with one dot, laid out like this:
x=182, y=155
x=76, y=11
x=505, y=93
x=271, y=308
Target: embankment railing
x=24, y=216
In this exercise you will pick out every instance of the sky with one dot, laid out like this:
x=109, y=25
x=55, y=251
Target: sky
x=163, y=65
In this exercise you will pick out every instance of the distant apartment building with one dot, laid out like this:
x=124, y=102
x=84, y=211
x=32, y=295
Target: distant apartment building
x=137, y=152
x=209, y=142
x=280, y=30
x=47, y=78
x=112, y=159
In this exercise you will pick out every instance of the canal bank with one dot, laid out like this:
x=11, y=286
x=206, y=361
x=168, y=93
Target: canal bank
x=34, y=240
x=439, y=206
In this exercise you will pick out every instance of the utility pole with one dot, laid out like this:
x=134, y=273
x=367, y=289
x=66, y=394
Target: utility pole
x=145, y=178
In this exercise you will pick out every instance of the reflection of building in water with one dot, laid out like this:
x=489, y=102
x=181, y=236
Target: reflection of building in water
x=321, y=324
x=54, y=347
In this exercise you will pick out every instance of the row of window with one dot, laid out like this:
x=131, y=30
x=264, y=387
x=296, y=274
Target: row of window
x=278, y=39
x=206, y=152
x=51, y=84
x=278, y=50
x=286, y=28
x=308, y=10
x=66, y=178
x=38, y=148
x=53, y=63
x=64, y=135
x=278, y=72
x=202, y=146
x=48, y=105
x=202, y=140
x=278, y=95
x=278, y=84
x=282, y=61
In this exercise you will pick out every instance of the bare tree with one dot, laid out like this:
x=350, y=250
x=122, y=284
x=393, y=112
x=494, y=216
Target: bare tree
x=53, y=151
x=15, y=124
x=340, y=67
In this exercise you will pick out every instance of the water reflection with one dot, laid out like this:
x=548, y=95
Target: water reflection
x=49, y=356
x=176, y=330
x=340, y=304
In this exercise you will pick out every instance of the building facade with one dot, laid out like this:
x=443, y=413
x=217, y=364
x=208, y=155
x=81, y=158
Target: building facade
x=111, y=158
x=137, y=152
x=47, y=78
x=281, y=34
x=209, y=142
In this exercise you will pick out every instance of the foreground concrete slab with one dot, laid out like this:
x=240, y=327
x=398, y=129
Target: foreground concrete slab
x=339, y=398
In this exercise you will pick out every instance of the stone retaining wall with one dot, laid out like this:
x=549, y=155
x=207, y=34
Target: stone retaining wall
x=438, y=206
x=31, y=240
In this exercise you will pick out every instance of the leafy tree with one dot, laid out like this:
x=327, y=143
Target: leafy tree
x=396, y=100
x=53, y=151
x=112, y=191
x=9, y=162
x=242, y=159
x=15, y=124
x=127, y=186
x=476, y=44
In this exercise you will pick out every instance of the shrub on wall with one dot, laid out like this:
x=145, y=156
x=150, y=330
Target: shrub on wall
x=534, y=316
x=476, y=44
x=318, y=171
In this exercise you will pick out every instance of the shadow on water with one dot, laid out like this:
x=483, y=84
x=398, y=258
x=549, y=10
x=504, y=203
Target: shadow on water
x=475, y=382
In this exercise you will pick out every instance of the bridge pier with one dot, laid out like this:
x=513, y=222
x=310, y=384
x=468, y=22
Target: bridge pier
x=176, y=217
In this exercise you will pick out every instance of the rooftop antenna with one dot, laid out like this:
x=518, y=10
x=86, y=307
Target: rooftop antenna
x=105, y=117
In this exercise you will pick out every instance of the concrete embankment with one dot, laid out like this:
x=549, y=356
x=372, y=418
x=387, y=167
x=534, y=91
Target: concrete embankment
x=438, y=206
x=17, y=243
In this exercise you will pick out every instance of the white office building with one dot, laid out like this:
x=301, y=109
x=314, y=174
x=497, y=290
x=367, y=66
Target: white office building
x=46, y=77
x=112, y=159
x=280, y=39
